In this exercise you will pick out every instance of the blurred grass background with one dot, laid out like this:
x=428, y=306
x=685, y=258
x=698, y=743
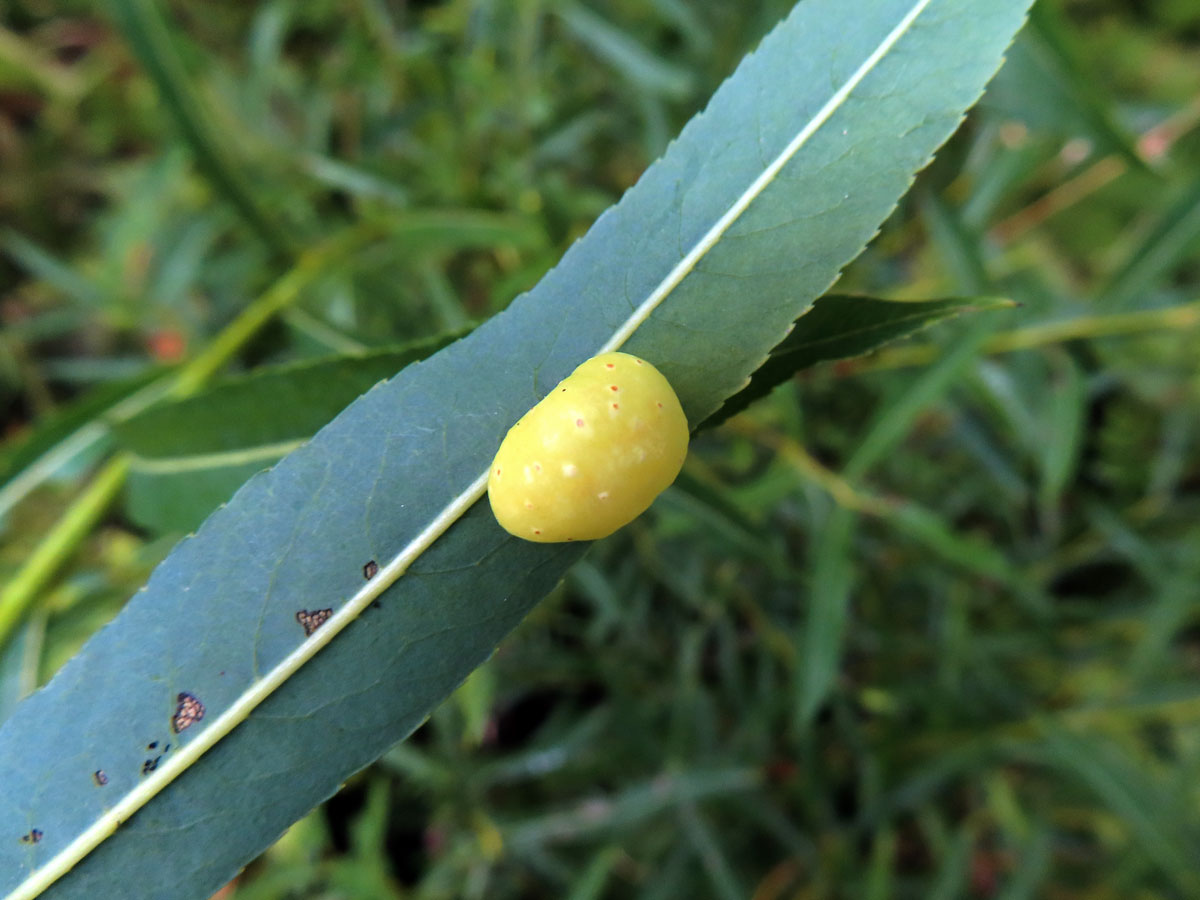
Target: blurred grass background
x=923, y=624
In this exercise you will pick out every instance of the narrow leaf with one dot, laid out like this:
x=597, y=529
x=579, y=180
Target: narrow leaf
x=842, y=327
x=1165, y=828
x=141, y=22
x=1170, y=243
x=39, y=262
x=642, y=68
x=828, y=612
x=1063, y=432
x=893, y=422
x=190, y=456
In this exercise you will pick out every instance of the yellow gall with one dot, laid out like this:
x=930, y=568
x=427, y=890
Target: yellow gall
x=592, y=480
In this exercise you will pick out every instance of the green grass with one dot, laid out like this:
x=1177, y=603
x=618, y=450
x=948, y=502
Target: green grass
x=922, y=624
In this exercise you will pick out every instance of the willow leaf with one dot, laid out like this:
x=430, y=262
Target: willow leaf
x=841, y=327
x=701, y=268
x=190, y=455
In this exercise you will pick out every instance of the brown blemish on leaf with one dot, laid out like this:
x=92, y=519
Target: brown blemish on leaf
x=371, y=568
x=313, y=620
x=188, y=711
x=100, y=777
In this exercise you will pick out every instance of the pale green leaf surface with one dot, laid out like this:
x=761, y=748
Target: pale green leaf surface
x=700, y=268
x=189, y=456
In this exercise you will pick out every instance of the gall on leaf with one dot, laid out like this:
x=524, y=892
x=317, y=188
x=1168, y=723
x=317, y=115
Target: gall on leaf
x=592, y=455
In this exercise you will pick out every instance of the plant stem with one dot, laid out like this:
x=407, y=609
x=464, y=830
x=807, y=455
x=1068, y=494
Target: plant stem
x=59, y=543
x=1180, y=318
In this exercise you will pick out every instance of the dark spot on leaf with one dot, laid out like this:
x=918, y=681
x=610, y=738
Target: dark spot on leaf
x=153, y=745
x=371, y=569
x=313, y=620
x=376, y=605
x=100, y=777
x=188, y=711
x=32, y=837
x=150, y=765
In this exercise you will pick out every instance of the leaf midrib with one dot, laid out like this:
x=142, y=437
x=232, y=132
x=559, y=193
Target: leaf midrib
x=217, y=459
